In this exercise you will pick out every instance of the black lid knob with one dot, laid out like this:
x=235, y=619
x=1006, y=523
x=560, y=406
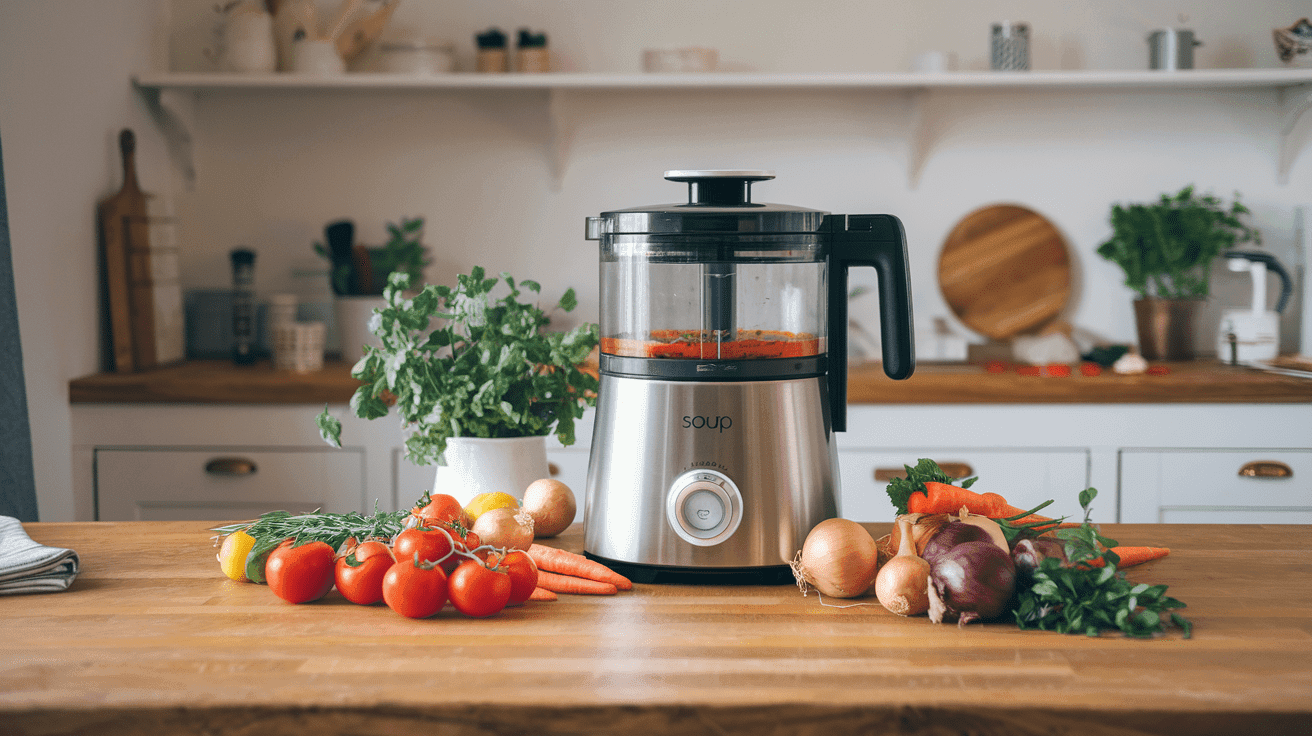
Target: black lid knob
x=719, y=188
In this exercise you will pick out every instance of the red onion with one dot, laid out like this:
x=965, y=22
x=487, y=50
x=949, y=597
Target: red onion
x=952, y=534
x=1028, y=554
x=973, y=581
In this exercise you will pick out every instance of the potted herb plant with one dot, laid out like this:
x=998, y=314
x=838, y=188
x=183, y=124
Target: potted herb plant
x=476, y=379
x=1166, y=249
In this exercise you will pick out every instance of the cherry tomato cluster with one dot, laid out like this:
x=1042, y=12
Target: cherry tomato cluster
x=435, y=560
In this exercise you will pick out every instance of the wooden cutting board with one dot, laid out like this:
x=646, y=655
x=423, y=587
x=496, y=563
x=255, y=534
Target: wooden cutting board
x=1005, y=271
x=123, y=221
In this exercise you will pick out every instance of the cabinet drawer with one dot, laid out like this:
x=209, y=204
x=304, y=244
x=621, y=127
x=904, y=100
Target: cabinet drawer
x=1025, y=477
x=1171, y=485
x=224, y=483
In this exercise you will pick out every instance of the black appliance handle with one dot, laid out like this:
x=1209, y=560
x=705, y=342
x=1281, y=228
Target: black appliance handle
x=1257, y=256
x=881, y=242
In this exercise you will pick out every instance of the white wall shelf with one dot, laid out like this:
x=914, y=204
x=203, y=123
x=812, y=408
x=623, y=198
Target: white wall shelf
x=171, y=96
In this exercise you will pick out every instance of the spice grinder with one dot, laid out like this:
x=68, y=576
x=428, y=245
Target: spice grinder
x=723, y=367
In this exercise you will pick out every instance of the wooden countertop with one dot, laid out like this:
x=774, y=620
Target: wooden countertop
x=218, y=381
x=152, y=639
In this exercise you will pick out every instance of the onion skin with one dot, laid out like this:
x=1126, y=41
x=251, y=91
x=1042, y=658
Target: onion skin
x=839, y=558
x=552, y=506
x=973, y=581
x=988, y=525
x=923, y=527
x=952, y=534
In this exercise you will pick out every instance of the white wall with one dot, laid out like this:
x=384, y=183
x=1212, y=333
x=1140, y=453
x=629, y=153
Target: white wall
x=274, y=167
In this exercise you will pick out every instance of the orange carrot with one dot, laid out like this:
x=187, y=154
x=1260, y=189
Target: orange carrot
x=542, y=594
x=1131, y=556
x=569, y=563
x=568, y=584
x=941, y=498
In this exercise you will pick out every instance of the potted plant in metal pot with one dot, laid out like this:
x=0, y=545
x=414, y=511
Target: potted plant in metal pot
x=476, y=379
x=1166, y=249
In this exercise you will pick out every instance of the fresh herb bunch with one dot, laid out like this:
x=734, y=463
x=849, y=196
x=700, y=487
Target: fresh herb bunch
x=404, y=250
x=1076, y=598
x=488, y=369
x=333, y=529
x=900, y=489
x=1166, y=247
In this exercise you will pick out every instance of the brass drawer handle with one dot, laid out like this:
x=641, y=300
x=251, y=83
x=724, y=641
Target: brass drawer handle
x=230, y=466
x=1266, y=469
x=553, y=470
x=953, y=470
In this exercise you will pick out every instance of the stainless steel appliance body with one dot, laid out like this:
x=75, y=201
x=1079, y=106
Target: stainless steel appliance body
x=723, y=377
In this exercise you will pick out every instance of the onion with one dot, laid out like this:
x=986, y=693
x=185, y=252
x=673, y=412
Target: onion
x=988, y=525
x=839, y=558
x=505, y=528
x=923, y=526
x=1029, y=553
x=952, y=534
x=902, y=585
x=973, y=581
x=551, y=504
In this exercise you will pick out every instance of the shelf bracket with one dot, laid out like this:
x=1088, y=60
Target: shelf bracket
x=562, y=124
x=925, y=114
x=1294, y=102
x=174, y=111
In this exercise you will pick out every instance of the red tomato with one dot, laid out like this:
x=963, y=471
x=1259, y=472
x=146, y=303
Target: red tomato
x=1090, y=369
x=363, y=582
x=302, y=573
x=414, y=590
x=1061, y=370
x=477, y=591
x=439, y=509
x=431, y=545
x=523, y=574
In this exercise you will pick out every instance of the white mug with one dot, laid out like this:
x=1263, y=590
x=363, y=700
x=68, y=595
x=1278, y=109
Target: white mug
x=248, y=43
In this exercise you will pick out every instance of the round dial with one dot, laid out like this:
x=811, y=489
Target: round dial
x=704, y=507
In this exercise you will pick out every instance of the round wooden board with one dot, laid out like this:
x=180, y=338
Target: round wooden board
x=1004, y=271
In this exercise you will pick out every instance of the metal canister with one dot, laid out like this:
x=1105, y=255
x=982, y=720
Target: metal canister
x=1172, y=48
x=1010, y=47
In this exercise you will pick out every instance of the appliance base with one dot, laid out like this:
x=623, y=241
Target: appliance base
x=665, y=575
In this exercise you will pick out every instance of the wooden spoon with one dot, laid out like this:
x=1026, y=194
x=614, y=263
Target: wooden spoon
x=361, y=32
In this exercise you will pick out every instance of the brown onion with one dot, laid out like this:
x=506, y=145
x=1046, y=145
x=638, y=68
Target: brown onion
x=902, y=583
x=505, y=527
x=552, y=506
x=839, y=558
x=973, y=581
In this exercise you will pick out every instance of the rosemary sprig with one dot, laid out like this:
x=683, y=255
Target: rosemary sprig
x=333, y=529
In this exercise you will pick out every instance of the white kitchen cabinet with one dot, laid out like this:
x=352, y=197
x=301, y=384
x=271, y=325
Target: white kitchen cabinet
x=1255, y=486
x=1026, y=478
x=224, y=483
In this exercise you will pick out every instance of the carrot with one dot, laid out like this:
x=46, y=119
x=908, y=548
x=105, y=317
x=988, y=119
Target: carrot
x=542, y=594
x=569, y=563
x=941, y=498
x=1131, y=556
x=568, y=584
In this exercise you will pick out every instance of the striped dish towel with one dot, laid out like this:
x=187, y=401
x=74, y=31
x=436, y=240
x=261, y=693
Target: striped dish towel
x=28, y=567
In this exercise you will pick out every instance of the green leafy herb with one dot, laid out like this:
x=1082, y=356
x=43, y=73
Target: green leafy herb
x=272, y=528
x=458, y=362
x=1075, y=598
x=900, y=489
x=1166, y=247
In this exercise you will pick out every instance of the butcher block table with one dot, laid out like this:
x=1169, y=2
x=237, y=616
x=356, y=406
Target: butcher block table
x=151, y=638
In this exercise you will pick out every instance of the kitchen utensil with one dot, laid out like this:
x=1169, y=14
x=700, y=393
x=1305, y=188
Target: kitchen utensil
x=1004, y=271
x=1010, y=47
x=293, y=20
x=341, y=246
x=1171, y=48
x=119, y=218
x=723, y=364
x=359, y=33
x=338, y=24
x=1247, y=335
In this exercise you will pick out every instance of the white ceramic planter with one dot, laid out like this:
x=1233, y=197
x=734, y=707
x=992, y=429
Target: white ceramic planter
x=475, y=465
x=353, y=314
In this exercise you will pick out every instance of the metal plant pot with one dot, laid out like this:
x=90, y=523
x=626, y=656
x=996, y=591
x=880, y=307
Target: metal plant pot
x=1167, y=327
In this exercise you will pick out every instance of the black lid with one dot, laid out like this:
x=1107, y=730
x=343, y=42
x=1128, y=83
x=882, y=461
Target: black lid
x=243, y=256
x=719, y=201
